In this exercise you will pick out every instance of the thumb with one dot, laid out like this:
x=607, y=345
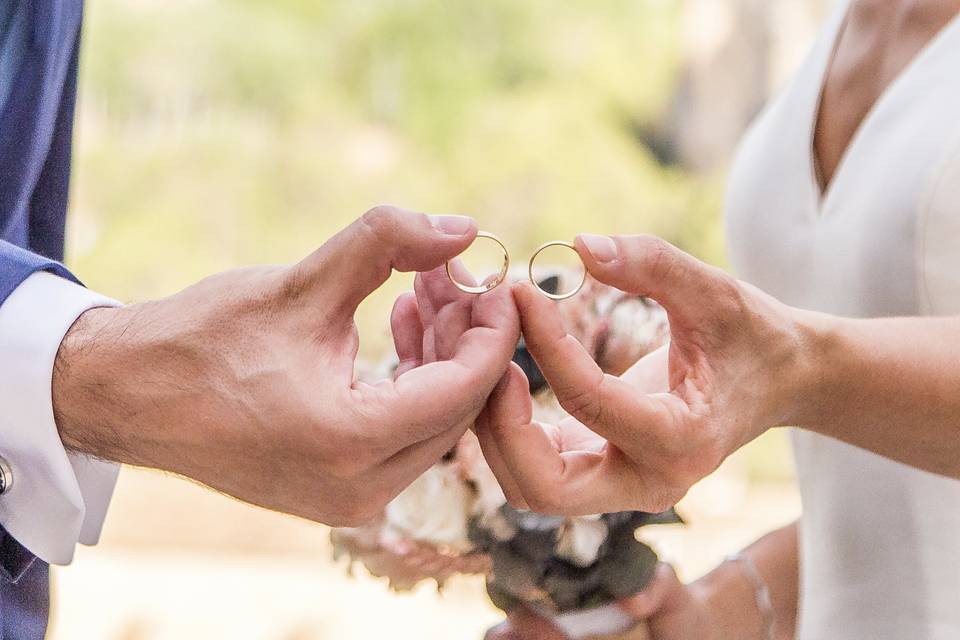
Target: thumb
x=356, y=261
x=650, y=266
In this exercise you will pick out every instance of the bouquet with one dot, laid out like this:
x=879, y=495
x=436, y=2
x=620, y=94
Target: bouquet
x=455, y=519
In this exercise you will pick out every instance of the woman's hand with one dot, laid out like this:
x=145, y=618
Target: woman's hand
x=735, y=367
x=667, y=609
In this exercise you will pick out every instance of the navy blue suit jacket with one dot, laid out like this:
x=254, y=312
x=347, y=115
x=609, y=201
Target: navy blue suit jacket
x=36, y=124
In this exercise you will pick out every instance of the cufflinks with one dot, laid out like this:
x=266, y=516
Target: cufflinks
x=6, y=476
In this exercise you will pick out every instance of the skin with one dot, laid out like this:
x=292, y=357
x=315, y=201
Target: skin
x=670, y=419
x=719, y=606
x=879, y=40
x=185, y=384
x=244, y=381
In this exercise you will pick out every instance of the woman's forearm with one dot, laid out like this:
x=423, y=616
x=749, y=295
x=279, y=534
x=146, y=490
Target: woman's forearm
x=889, y=385
x=731, y=596
x=739, y=362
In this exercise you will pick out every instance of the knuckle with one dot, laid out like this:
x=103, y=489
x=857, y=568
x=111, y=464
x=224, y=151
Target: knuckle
x=728, y=293
x=295, y=281
x=584, y=404
x=348, y=468
x=545, y=504
x=728, y=285
x=362, y=447
x=352, y=466
x=657, y=256
x=381, y=220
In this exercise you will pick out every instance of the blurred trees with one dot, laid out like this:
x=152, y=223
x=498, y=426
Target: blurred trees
x=213, y=133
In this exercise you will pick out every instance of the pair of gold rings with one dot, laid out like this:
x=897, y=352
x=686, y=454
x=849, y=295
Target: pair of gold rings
x=490, y=284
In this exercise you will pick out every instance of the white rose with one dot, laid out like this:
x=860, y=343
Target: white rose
x=435, y=508
x=580, y=540
x=487, y=495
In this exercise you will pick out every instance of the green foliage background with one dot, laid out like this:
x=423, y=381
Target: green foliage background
x=213, y=134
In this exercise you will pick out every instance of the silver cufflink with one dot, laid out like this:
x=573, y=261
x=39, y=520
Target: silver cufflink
x=6, y=476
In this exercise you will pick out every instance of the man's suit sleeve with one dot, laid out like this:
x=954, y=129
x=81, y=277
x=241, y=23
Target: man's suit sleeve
x=57, y=498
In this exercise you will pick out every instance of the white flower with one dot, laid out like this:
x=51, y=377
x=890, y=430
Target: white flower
x=580, y=540
x=435, y=508
x=487, y=495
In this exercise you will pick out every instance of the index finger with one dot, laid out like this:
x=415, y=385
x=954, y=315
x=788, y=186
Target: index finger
x=550, y=478
x=444, y=309
x=434, y=396
x=608, y=405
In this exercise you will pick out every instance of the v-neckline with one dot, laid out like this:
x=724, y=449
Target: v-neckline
x=822, y=194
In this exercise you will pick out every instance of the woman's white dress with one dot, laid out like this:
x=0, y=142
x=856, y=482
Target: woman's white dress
x=880, y=541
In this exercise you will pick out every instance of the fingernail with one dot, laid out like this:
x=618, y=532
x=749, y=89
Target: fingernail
x=602, y=248
x=452, y=225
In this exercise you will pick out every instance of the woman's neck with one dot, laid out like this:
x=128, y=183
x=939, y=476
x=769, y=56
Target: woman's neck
x=908, y=14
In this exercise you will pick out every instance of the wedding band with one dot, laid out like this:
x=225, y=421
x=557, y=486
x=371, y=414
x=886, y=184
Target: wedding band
x=489, y=284
x=557, y=296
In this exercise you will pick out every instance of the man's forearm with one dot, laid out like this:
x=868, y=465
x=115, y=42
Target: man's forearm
x=160, y=384
x=120, y=378
x=82, y=394
x=888, y=385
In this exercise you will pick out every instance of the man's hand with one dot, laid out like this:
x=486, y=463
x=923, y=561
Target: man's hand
x=244, y=381
x=734, y=368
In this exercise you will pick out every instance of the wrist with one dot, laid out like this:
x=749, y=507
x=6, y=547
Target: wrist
x=163, y=384
x=818, y=365
x=84, y=386
x=787, y=346
x=728, y=599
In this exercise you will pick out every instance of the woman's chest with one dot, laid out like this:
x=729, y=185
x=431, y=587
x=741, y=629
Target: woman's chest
x=861, y=248
x=874, y=47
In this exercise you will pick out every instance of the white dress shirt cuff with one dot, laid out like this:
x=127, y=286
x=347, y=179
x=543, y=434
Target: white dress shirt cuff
x=57, y=498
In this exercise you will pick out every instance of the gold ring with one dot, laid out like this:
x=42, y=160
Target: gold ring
x=491, y=284
x=556, y=296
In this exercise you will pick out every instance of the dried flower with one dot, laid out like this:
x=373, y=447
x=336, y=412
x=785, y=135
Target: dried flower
x=435, y=509
x=580, y=540
x=454, y=518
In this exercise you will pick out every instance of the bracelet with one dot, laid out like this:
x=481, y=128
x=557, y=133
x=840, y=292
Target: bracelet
x=761, y=592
